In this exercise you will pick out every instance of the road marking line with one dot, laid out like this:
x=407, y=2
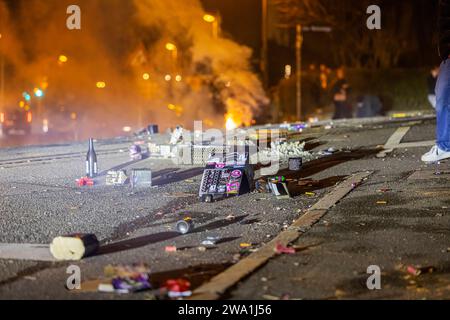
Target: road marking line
x=430, y=174
x=393, y=141
x=218, y=285
x=417, y=144
x=25, y=251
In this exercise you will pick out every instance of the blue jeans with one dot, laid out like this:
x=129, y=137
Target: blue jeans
x=443, y=107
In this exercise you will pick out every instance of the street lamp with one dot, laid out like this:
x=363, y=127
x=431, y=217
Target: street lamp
x=38, y=93
x=173, y=48
x=26, y=96
x=101, y=85
x=209, y=18
x=170, y=46
x=2, y=75
x=62, y=58
x=146, y=78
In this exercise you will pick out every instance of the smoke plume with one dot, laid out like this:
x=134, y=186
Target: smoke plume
x=124, y=45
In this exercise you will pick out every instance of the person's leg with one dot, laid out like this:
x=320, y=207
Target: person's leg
x=442, y=148
x=348, y=111
x=443, y=107
x=337, y=110
x=341, y=107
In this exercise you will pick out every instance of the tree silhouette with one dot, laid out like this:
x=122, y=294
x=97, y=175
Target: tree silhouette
x=352, y=43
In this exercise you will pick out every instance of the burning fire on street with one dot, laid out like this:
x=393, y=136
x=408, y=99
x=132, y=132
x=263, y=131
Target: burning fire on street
x=230, y=124
x=155, y=54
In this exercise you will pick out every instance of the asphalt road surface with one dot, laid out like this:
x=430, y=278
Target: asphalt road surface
x=392, y=220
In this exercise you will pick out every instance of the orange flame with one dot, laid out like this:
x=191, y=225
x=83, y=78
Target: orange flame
x=230, y=124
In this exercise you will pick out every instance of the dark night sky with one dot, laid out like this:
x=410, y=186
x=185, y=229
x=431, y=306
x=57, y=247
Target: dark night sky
x=242, y=21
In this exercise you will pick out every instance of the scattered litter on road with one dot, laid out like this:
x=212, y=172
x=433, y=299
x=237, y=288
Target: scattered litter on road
x=116, y=178
x=177, y=135
x=177, y=288
x=279, y=189
x=126, y=278
x=277, y=179
x=165, y=151
x=261, y=186
x=327, y=152
x=153, y=129
x=85, y=181
x=210, y=241
x=131, y=284
x=383, y=190
x=381, y=202
x=126, y=270
x=185, y=226
x=245, y=245
x=230, y=217
x=417, y=271
x=153, y=149
x=74, y=247
x=105, y=288
x=280, y=249
x=91, y=161
x=226, y=176
x=171, y=249
x=135, y=152
x=284, y=150
x=141, y=178
x=310, y=194
x=295, y=164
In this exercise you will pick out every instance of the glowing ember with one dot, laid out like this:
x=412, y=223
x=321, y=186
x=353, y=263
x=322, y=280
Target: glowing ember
x=230, y=123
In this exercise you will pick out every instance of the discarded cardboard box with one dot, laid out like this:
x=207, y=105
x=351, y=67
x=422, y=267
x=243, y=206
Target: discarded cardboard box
x=225, y=176
x=141, y=178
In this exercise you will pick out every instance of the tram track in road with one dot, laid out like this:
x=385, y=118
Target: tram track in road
x=60, y=156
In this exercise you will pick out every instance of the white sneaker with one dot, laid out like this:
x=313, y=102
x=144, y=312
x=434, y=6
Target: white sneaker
x=435, y=154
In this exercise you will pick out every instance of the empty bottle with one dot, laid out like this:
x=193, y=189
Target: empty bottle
x=91, y=161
